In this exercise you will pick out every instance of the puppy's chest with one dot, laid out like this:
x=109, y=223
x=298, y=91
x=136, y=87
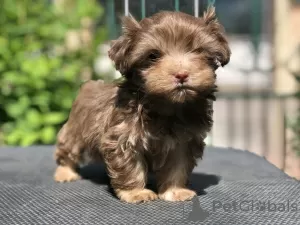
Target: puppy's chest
x=167, y=135
x=162, y=142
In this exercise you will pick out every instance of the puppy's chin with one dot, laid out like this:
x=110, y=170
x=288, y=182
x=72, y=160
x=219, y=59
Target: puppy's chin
x=182, y=95
x=178, y=94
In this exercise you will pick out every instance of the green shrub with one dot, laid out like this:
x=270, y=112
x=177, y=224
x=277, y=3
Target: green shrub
x=40, y=68
x=295, y=128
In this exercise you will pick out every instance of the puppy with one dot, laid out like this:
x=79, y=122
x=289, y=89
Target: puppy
x=157, y=118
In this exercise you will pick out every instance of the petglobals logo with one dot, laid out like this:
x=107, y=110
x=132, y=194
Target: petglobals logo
x=254, y=206
x=200, y=214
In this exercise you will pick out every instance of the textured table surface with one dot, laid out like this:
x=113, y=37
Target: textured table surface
x=234, y=187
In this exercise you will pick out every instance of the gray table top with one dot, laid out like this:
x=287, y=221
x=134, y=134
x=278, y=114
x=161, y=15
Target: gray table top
x=234, y=187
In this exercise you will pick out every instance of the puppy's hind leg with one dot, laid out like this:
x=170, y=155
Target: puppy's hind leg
x=66, y=169
x=67, y=159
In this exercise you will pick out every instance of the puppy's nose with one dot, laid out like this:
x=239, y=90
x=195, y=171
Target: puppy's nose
x=182, y=77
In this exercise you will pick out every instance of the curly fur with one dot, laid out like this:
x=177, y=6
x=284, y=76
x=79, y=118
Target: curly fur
x=148, y=122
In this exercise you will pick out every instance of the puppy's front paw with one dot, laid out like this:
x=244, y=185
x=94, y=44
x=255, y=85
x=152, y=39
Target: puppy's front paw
x=136, y=195
x=65, y=174
x=177, y=194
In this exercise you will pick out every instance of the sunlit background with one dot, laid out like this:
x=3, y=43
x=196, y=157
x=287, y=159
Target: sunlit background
x=48, y=48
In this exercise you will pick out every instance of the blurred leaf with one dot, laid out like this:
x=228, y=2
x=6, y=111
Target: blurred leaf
x=54, y=63
x=8, y=127
x=18, y=108
x=67, y=102
x=36, y=67
x=14, y=78
x=48, y=134
x=70, y=71
x=29, y=139
x=54, y=118
x=3, y=44
x=13, y=137
x=16, y=44
x=54, y=31
x=2, y=65
x=34, y=118
x=42, y=99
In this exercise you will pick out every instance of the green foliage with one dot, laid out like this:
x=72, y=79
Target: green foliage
x=294, y=125
x=39, y=73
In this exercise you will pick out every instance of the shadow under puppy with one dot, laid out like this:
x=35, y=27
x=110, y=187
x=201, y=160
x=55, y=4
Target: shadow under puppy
x=157, y=118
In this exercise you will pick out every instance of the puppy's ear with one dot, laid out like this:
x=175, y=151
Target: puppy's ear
x=120, y=48
x=221, y=50
x=210, y=15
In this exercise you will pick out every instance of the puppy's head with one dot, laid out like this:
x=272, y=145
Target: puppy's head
x=174, y=54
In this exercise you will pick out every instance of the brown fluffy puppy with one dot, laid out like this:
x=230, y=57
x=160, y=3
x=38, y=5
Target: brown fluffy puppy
x=157, y=119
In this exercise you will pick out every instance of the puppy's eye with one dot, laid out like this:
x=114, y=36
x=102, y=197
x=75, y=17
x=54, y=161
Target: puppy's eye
x=218, y=63
x=199, y=50
x=154, y=55
x=214, y=63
